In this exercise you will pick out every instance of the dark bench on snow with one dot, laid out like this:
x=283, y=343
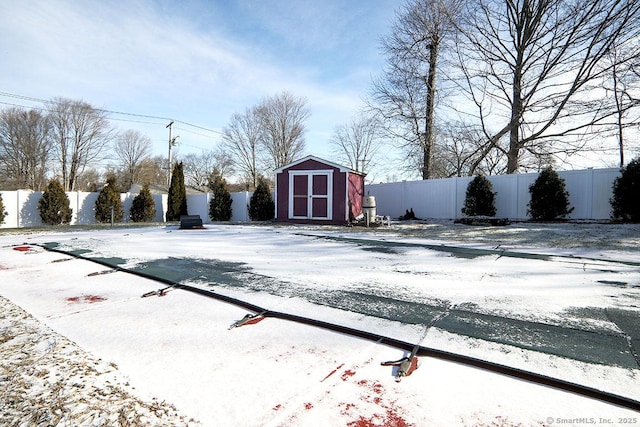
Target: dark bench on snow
x=190, y=221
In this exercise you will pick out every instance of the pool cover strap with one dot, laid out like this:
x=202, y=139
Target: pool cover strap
x=406, y=365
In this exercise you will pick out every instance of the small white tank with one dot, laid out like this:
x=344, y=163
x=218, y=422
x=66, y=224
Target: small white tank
x=369, y=208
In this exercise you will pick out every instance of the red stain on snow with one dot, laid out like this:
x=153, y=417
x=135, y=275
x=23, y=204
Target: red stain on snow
x=22, y=248
x=347, y=374
x=389, y=419
x=374, y=393
x=377, y=388
x=308, y=406
x=349, y=406
x=86, y=298
x=277, y=407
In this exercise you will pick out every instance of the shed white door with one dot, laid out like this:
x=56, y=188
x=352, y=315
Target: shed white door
x=310, y=194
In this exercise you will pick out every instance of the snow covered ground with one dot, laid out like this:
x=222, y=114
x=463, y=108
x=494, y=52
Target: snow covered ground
x=560, y=300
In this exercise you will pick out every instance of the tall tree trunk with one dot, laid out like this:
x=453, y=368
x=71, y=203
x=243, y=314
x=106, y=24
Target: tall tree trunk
x=517, y=109
x=254, y=170
x=427, y=169
x=619, y=114
x=64, y=167
x=513, y=153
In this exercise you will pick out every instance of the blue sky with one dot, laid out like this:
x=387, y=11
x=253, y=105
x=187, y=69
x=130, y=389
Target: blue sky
x=195, y=61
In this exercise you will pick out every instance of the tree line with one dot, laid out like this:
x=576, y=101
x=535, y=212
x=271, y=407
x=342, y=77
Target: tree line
x=66, y=137
x=75, y=143
x=69, y=140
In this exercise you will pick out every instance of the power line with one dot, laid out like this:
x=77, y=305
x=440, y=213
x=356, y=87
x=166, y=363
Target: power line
x=195, y=146
x=194, y=133
x=125, y=120
x=27, y=98
x=136, y=121
x=23, y=106
x=44, y=101
x=49, y=110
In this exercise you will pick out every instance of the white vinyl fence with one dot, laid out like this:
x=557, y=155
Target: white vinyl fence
x=198, y=204
x=589, y=194
x=22, y=207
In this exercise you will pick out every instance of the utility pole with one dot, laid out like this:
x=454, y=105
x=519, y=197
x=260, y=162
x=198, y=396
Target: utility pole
x=172, y=143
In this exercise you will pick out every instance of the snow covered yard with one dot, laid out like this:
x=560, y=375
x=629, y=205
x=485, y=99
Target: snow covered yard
x=48, y=380
x=561, y=300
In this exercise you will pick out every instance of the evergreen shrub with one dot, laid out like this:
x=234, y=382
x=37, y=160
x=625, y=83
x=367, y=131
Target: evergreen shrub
x=54, y=205
x=549, y=197
x=3, y=213
x=143, y=207
x=625, y=203
x=261, y=205
x=109, y=196
x=480, y=198
x=177, y=200
x=220, y=204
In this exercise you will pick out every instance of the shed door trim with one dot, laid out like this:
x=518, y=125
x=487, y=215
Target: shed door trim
x=313, y=200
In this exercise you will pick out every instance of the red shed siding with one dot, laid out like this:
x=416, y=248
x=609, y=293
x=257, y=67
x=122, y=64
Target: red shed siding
x=282, y=196
x=356, y=193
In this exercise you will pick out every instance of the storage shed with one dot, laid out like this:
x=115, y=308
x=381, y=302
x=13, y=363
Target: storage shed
x=313, y=190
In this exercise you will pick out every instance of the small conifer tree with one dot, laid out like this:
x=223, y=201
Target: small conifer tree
x=261, y=205
x=54, y=205
x=549, y=197
x=177, y=200
x=480, y=198
x=143, y=208
x=220, y=205
x=625, y=203
x=109, y=196
x=3, y=213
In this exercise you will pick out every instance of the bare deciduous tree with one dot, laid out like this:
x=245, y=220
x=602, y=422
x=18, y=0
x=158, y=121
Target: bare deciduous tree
x=356, y=142
x=132, y=148
x=622, y=88
x=282, y=128
x=222, y=162
x=81, y=134
x=241, y=139
x=406, y=94
x=533, y=69
x=25, y=146
x=460, y=151
x=90, y=180
x=153, y=170
x=198, y=168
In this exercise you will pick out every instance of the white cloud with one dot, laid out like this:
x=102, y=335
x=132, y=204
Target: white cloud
x=144, y=57
x=121, y=49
